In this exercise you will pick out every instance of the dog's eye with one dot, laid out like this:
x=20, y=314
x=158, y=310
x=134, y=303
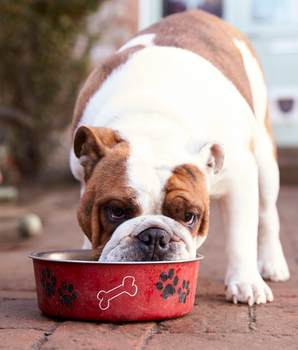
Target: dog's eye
x=190, y=219
x=117, y=213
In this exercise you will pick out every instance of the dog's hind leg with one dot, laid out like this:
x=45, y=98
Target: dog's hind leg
x=271, y=261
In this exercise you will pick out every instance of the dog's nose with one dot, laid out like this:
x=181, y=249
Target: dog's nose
x=154, y=236
x=153, y=243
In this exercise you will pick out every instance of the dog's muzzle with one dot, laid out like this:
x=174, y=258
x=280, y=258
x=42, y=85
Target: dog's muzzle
x=149, y=238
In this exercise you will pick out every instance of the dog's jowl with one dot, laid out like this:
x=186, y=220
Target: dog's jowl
x=178, y=115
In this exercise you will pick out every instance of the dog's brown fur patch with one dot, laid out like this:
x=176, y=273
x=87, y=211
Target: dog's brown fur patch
x=207, y=36
x=186, y=192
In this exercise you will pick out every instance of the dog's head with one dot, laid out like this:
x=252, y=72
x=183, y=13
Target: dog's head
x=136, y=210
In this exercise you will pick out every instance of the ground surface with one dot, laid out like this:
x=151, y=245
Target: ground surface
x=212, y=324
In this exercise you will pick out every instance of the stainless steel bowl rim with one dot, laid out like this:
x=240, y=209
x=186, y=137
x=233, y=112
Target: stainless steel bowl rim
x=42, y=256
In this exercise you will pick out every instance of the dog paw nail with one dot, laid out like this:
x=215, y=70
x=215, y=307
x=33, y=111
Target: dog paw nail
x=235, y=299
x=249, y=301
x=269, y=298
x=258, y=300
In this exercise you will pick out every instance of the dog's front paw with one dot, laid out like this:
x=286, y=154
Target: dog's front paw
x=272, y=264
x=250, y=291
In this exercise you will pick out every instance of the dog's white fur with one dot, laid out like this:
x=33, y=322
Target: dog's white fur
x=169, y=103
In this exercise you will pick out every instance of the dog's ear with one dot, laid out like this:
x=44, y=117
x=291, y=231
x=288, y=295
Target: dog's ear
x=211, y=157
x=91, y=145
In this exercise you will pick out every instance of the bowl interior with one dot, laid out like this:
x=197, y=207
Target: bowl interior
x=65, y=255
x=85, y=255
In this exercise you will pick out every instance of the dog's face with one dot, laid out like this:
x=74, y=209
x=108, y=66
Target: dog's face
x=165, y=218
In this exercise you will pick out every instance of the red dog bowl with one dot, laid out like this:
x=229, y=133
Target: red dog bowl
x=70, y=285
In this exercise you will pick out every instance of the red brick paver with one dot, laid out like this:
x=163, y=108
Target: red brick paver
x=86, y=335
x=212, y=324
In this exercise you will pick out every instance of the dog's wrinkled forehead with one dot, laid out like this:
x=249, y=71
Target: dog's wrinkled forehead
x=148, y=183
x=154, y=153
x=157, y=185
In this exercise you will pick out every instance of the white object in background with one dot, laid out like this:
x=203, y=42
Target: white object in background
x=283, y=102
x=30, y=225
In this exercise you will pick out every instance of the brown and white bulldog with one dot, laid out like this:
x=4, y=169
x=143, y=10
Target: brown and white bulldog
x=178, y=115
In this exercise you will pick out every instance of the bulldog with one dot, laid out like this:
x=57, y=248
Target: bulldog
x=176, y=116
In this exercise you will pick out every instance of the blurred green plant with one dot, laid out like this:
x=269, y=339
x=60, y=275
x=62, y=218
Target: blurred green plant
x=40, y=73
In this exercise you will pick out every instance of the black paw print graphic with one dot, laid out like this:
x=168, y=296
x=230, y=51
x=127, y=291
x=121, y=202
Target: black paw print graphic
x=183, y=292
x=67, y=299
x=48, y=282
x=170, y=287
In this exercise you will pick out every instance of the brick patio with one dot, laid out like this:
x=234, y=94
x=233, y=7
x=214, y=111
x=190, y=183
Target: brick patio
x=213, y=323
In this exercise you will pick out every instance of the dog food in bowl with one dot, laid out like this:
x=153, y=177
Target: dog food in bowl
x=70, y=285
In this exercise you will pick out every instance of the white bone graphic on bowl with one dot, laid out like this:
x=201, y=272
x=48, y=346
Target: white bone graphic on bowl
x=127, y=286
